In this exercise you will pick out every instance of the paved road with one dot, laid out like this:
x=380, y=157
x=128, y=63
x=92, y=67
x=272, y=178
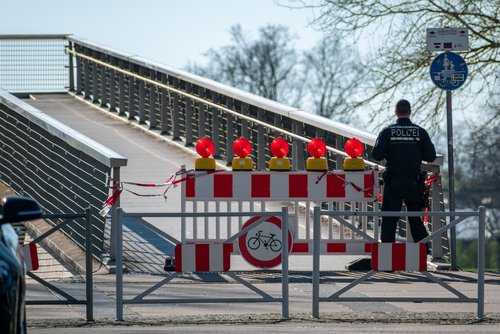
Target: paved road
x=268, y=283
x=285, y=328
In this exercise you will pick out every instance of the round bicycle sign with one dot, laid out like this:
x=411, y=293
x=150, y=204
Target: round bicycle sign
x=261, y=246
x=448, y=71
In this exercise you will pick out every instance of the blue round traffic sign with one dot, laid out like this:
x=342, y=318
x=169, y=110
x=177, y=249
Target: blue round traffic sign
x=448, y=71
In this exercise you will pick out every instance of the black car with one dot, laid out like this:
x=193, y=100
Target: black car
x=12, y=268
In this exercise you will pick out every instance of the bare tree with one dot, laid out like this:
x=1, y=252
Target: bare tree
x=478, y=178
x=334, y=75
x=267, y=66
x=400, y=63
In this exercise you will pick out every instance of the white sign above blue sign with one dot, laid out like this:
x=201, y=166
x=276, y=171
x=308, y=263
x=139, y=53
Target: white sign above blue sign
x=447, y=39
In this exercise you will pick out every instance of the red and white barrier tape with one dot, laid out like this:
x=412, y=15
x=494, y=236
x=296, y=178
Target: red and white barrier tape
x=118, y=188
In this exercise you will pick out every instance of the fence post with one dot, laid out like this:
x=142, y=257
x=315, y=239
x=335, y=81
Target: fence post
x=112, y=231
x=88, y=265
x=104, y=83
x=315, y=273
x=95, y=92
x=188, y=122
x=284, y=263
x=176, y=120
x=119, y=265
x=112, y=87
x=71, y=68
x=142, y=97
x=480, y=264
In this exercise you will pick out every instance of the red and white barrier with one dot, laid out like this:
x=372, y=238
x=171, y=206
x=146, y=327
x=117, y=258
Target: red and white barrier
x=202, y=257
x=336, y=185
x=341, y=248
x=399, y=257
x=30, y=256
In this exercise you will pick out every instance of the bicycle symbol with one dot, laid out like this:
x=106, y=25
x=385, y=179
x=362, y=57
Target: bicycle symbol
x=450, y=77
x=267, y=241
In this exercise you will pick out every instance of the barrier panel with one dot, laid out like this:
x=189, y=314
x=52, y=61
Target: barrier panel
x=234, y=191
x=399, y=257
x=212, y=256
x=89, y=286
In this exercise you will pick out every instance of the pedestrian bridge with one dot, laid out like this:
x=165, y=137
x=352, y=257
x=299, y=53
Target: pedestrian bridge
x=79, y=118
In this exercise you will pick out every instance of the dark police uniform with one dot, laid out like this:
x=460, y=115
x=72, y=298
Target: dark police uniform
x=404, y=145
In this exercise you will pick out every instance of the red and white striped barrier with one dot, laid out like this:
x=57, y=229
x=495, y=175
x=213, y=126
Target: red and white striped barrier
x=202, y=257
x=399, y=257
x=336, y=185
x=30, y=256
x=341, y=248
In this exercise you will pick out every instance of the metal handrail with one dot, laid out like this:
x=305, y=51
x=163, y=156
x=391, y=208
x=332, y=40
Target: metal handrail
x=196, y=98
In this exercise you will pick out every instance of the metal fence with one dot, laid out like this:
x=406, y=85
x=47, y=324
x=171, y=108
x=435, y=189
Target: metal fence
x=33, y=63
x=187, y=107
x=459, y=297
x=68, y=299
x=63, y=170
x=262, y=296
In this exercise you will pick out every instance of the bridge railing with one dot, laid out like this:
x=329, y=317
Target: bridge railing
x=33, y=63
x=59, y=167
x=187, y=107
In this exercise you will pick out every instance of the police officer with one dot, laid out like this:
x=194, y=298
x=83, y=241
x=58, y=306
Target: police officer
x=403, y=145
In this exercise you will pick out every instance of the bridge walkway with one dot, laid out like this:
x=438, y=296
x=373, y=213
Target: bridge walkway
x=151, y=159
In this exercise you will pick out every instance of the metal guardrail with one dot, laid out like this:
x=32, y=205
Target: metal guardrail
x=264, y=297
x=89, y=285
x=60, y=168
x=460, y=297
x=185, y=107
x=33, y=63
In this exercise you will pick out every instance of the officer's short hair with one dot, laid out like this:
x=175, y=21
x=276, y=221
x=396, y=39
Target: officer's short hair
x=403, y=108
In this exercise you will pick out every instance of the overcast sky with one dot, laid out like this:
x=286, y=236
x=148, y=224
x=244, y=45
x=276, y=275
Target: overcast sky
x=171, y=32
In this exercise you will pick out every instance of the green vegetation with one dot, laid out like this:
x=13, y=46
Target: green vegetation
x=467, y=254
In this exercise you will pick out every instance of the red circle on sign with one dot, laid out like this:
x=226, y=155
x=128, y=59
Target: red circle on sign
x=250, y=243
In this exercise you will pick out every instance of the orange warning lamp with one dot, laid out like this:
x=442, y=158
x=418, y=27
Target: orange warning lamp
x=205, y=147
x=279, y=148
x=242, y=148
x=354, y=148
x=316, y=148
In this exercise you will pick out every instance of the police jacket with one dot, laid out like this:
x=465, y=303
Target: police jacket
x=404, y=145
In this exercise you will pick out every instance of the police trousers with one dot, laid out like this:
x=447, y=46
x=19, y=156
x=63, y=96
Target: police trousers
x=397, y=190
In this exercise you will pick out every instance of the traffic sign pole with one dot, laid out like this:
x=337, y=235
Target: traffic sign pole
x=448, y=72
x=451, y=179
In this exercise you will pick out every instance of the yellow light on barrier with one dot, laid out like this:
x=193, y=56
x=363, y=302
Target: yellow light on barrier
x=316, y=148
x=354, y=148
x=242, y=148
x=279, y=148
